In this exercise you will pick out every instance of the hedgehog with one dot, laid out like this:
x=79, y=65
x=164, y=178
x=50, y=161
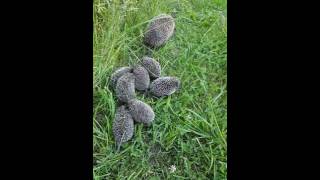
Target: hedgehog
x=152, y=66
x=142, y=79
x=117, y=74
x=141, y=112
x=159, y=30
x=125, y=89
x=164, y=86
x=123, y=126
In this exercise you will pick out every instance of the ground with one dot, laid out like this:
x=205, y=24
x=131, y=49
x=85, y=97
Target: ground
x=188, y=137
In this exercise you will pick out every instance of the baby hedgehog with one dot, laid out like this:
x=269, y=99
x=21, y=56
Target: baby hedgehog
x=142, y=79
x=160, y=29
x=117, y=74
x=141, y=112
x=125, y=89
x=152, y=66
x=122, y=125
x=164, y=86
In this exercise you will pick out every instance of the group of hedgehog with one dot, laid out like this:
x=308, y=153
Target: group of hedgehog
x=144, y=77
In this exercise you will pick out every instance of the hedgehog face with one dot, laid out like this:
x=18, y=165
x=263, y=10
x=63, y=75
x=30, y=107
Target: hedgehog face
x=117, y=74
x=141, y=112
x=125, y=89
x=123, y=126
x=152, y=66
x=164, y=86
x=142, y=79
x=159, y=30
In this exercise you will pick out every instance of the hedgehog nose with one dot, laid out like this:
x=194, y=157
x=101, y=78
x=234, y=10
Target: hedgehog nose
x=179, y=84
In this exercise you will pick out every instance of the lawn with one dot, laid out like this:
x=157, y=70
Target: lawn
x=190, y=128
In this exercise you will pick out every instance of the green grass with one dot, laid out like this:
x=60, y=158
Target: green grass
x=190, y=128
